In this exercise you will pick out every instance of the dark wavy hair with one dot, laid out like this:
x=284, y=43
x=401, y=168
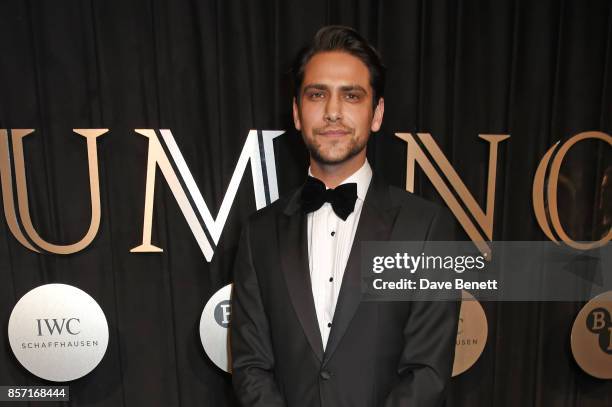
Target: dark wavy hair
x=343, y=39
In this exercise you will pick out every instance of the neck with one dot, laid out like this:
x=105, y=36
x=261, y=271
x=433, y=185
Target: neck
x=333, y=174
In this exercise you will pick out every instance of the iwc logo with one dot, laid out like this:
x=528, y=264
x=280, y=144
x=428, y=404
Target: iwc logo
x=214, y=324
x=592, y=337
x=58, y=332
x=471, y=334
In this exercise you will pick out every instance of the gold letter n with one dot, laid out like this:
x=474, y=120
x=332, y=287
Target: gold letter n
x=483, y=218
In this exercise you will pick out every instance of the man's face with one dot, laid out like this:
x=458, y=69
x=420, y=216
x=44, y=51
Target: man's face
x=335, y=112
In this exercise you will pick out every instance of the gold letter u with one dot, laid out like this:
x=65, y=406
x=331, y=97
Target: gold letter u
x=22, y=191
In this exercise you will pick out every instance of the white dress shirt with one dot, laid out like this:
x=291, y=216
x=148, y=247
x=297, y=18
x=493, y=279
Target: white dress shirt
x=329, y=244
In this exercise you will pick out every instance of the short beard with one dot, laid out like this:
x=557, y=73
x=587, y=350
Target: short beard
x=316, y=154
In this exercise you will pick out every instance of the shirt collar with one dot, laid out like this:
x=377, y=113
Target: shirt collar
x=361, y=177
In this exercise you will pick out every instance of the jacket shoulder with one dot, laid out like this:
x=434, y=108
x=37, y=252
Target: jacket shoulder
x=427, y=220
x=269, y=212
x=408, y=200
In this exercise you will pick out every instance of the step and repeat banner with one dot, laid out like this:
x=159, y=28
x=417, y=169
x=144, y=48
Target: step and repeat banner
x=137, y=137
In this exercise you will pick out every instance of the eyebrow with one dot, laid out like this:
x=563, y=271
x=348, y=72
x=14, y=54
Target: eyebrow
x=344, y=88
x=350, y=88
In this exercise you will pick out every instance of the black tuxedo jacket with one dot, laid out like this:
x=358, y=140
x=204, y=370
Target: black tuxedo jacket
x=378, y=353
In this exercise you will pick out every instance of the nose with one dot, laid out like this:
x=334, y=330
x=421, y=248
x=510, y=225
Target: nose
x=333, y=109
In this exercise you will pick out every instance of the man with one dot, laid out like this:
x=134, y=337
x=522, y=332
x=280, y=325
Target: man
x=300, y=335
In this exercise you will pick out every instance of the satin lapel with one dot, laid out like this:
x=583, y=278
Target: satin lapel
x=375, y=224
x=293, y=244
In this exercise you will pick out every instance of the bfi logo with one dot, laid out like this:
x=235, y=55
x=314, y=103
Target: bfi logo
x=600, y=324
x=223, y=313
x=55, y=326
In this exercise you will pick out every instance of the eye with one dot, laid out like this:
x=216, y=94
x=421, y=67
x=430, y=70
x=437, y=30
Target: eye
x=315, y=95
x=352, y=97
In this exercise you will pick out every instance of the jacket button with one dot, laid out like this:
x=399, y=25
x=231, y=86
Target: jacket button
x=325, y=375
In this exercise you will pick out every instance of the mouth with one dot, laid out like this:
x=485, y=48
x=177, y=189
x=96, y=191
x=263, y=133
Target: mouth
x=333, y=132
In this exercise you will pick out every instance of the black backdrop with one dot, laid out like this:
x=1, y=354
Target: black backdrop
x=212, y=70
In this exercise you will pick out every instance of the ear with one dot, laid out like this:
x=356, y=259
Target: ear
x=296, y=115
x=379, y=111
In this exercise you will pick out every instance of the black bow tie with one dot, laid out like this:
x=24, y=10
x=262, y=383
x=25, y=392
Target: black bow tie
x=342, y=198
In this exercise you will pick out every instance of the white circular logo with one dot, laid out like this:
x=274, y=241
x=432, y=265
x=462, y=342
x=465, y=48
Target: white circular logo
x=58, y=332
x=214, y=324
